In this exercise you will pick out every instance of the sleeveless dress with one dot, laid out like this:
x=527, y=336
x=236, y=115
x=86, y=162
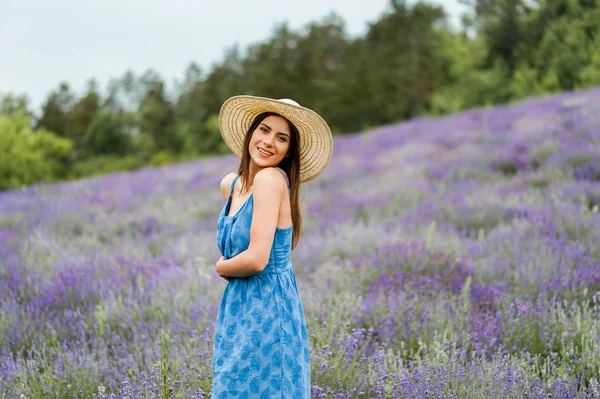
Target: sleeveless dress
x=261, y=345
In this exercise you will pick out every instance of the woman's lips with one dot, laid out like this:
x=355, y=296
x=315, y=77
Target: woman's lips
x=264, y=153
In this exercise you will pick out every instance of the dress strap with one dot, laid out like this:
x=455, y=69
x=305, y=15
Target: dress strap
x=233, y=183
x=286, y=179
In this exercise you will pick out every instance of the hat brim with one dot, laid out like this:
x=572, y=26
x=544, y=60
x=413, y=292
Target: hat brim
x=316, y=140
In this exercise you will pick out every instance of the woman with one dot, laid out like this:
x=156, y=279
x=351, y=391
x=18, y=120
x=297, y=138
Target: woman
x=261, y=345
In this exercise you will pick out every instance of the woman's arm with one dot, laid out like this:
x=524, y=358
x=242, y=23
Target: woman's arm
x=226, y=185
x=268, y=189
x=225, y=191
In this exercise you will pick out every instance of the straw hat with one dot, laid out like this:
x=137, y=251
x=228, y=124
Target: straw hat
x=316, y=140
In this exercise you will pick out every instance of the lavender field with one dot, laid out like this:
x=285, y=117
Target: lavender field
x=441, y=258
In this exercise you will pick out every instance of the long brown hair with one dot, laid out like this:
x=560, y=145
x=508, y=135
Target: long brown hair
x=290, y=165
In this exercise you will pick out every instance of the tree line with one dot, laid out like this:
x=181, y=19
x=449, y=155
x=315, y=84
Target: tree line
x=408, y=63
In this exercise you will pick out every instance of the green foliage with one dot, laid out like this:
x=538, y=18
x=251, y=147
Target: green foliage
x=472, y=88
x=590, y=74
x=409, y=63
x=80, y=117
x=204, y=138
x=104, y=164
x=561, y=39
x=105, y=135
x=29, y=156
x=400, y=57
x=157, y=118
x=55, y=109
x=10, y=104
x=527, y=82
x=213, y=140
x=165, y=382
x=563, y=51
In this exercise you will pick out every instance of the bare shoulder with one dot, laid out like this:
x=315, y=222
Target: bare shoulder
x=226, y=185
x=269, y=179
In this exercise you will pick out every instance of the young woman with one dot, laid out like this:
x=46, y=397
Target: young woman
x=261, y=345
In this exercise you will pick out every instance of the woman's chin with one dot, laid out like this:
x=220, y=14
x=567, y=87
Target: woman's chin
x=265, y=163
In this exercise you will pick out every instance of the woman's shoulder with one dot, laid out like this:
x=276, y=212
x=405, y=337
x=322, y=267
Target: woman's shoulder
x=228, y=179
x=271, y=175
x=226, y=184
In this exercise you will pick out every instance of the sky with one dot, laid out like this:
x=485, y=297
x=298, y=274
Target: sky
x=44, y=42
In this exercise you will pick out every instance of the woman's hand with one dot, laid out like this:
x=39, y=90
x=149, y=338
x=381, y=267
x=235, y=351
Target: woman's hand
x=219, y=269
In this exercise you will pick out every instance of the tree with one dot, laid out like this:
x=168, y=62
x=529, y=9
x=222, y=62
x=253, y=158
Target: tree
x=463, y=81
x=157, y=117
x=400, y=65
x=81, y=115
x=271, y=68
x=106, y=135
x=190, y=113
x=55, y=110
x=11, y=104
x=590, y=74
x=29, y=156
x=321, y=66
x=502, y=23
x=566, y=41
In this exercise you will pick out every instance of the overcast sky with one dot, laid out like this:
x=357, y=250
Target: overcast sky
x=43, y=42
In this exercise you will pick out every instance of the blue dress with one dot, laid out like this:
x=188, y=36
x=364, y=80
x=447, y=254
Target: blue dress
x=261, y=342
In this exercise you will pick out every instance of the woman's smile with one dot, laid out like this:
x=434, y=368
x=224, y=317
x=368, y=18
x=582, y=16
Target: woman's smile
x=264, y=153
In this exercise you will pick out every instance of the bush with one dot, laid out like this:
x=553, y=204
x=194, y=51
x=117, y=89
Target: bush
x=104, y=164
x=106, y=135
x=29, y=156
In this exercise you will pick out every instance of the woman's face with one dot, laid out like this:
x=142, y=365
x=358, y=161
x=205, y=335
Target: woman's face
x=270, y=142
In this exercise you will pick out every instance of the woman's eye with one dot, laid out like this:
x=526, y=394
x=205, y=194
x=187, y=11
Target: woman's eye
x=263, y=129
